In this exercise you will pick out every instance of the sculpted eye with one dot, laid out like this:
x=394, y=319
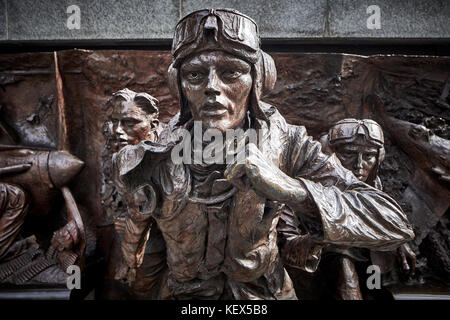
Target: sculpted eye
x=193, y=75
x=232, y=74
x=368, y=156
x=130, y=122
x=346, y=156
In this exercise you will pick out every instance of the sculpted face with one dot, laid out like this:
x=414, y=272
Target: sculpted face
x=217, y=88
x=131, y=124
x=359, y=156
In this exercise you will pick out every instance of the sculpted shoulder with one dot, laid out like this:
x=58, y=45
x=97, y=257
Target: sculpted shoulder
x=278, y=122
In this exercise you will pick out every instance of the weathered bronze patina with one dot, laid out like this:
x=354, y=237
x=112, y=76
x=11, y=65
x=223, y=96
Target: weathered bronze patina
x=359, y=145
x=133, y=118
x=55, y=105
x=31, y=181
x=219, y=221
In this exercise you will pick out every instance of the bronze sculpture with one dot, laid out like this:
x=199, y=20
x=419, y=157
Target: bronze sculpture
x=359, y=145
x=133, y=118
x=219, y=221
x=29, y=179
x=23, y=260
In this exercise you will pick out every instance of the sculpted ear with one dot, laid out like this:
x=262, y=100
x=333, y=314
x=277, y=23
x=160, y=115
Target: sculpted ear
x=155, y=123
x=173, y=81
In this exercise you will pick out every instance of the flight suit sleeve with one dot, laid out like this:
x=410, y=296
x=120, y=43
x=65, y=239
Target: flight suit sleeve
x=349, y=212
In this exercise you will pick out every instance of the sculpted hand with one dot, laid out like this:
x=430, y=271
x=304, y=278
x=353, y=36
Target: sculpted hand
x=265, y=178
x=119, y=226
x=124, y=273
x=408, y=258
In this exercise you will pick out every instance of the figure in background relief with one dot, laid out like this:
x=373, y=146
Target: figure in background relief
x=134, y=118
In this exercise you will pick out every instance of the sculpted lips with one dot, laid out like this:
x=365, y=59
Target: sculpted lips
x=123, y=141
x=358, y=174
x=213, y=109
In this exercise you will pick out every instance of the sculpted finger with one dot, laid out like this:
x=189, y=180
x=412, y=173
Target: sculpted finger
x=404, y=260
x=121, y=272
x=413, y=265
x=119, y=225
x=439, y=170
x=131, y=275
x=443, y=174
x=238, y=183
x=234, y=173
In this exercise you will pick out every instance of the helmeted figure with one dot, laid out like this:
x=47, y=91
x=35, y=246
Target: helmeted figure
x=359, y=144
x=219, y=221
x=350, y=132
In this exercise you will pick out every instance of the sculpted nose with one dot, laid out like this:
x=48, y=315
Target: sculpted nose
x=119, y=130
x=359, y=162
x=212, y=87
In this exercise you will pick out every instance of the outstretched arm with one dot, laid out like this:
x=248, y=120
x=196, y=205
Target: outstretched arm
x=350, y=212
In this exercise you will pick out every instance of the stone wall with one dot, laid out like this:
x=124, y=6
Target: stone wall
x=71, y=21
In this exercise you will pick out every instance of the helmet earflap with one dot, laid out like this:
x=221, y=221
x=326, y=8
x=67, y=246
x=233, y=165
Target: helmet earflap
x=175, y=91
x=381, y=154
x=173, y=82
x=269, y=72
x=325, y=142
